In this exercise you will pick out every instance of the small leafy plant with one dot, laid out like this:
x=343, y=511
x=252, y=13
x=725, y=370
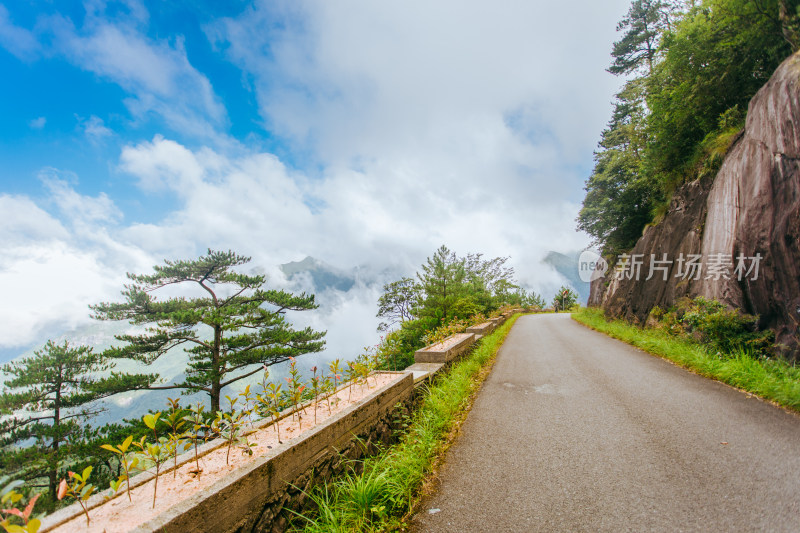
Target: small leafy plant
x=445, y=330
x=176, y=438
x=127, y=461
x=271, y=404
x=713, y=324
x=267, y=398
x=249, y=403
x=197, y=422
x=230, y=427
x=316, y=388
x=157, y=452
x=9, y=496
x=352, y=374
x=79, y=488
x=327, y=390
x=336, y=371
x=296, y=389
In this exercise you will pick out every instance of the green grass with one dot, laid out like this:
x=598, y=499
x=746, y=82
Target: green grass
x=381, y=497
x=772, y=379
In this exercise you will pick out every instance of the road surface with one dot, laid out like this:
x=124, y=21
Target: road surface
x=575, y=431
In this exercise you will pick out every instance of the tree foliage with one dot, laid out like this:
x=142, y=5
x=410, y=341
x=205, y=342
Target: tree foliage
x=230, y=333
x=619, y=196
x=698, y=65
x=564, y=299
x=451, y=286
x=397, y=303
x=643, y=25
x=530, y=300
x=47, y=399
x=442, y=284
x=720, y=54
x=447, y=287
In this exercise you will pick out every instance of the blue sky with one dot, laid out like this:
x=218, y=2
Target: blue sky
x=363, y=133
x=78, y=116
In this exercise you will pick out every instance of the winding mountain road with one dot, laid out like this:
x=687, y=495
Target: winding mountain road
x=574, y=431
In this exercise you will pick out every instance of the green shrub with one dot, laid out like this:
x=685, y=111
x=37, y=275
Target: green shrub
x=711, y=323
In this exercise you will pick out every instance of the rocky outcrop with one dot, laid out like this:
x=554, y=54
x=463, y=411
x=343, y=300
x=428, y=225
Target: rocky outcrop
x=747, y=216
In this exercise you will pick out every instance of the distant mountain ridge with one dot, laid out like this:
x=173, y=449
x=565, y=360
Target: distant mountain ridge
x=567, y=266
x=323, y=275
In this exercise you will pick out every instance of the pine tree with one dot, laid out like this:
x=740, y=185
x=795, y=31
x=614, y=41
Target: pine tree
x=231, y=333
x=47, y=399
x=645, y=21
x=442, y=283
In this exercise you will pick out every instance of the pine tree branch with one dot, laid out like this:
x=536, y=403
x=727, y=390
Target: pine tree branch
x=233, y=380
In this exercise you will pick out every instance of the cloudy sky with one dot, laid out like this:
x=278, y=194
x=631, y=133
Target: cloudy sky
x=363, y=133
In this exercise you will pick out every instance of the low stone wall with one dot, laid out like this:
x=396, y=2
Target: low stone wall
x=482, y=329
x=260, y=495
x=264, y=495
x=444, y=351
x=424, y=371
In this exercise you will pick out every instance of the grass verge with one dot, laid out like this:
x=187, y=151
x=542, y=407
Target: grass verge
x=383, y=495
x=772, y=379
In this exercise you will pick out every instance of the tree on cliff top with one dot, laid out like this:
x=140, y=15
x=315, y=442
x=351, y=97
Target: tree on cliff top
x=243, y=325
x=699, y=64
x=643, y=25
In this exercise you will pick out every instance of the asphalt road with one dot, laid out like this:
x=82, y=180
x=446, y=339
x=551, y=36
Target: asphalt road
x=574, y=431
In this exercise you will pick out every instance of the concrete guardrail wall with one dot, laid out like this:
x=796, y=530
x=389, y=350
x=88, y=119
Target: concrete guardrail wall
x=260, y=495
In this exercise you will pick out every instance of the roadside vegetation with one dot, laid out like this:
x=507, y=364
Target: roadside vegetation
x=564, y=300
x=379, y=493
x=714, y=342
x=448, y=294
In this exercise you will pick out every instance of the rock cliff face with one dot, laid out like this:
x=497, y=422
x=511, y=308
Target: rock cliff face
x=750, y=209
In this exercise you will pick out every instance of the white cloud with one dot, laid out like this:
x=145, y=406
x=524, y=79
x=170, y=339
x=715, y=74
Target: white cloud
x=54, y=266
x=94, y=128
x=37, y=123
x=19, y=41
x=76, y=207
x=373, y=79
x=384, y=221
x=456, y=122
x=157, y=73
x=24, y=222
x=46, y=289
